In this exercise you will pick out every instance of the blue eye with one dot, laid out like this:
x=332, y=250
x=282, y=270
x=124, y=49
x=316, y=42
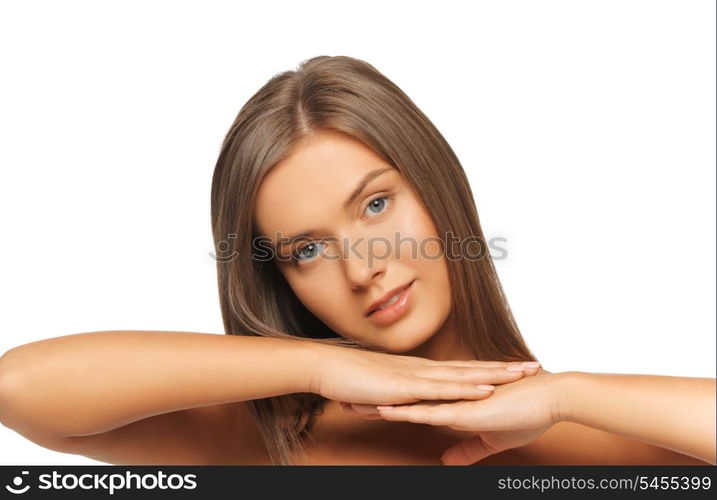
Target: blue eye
x=305, y=253
x=377, y=205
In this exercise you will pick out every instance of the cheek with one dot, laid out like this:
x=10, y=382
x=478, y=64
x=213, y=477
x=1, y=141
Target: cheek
x=419, y=242
x=428, y=261
x=322, y=291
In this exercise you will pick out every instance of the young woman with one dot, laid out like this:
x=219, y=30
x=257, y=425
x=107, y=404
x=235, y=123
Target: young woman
x=365, y=321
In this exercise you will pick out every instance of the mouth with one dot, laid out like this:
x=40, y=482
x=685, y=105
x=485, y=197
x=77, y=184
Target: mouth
x=392, y=306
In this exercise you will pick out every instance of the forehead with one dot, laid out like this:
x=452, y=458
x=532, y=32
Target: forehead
x=318, y=176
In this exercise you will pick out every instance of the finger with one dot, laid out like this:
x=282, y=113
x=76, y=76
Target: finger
x=531, y=368
x=467, y=452
x=472, y=363
x=365, y=410
x=421, y=413
x=497, y=375
x=435, y=389
x=527, y=367
x=366, y=415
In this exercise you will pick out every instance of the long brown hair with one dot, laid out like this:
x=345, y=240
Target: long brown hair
x=346, y=95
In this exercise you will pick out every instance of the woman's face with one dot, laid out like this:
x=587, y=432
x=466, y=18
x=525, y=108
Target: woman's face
x=365, y=240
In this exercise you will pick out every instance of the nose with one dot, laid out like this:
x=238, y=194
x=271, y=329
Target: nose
x=365, y=260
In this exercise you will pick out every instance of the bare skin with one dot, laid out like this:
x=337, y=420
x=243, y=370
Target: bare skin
x=310, y=186
x=622, y=431
x=348, y=439
x=179, y=397
x=165, y=406
x=629, y=405
x=353, y=253
x=138, y=397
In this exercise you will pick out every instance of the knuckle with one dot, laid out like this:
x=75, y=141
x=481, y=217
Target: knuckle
x=431, y=414
x=443, y=415
x=419, y=388
x=434, y=388
x=459, y=371
x=471, y=389
x=507, y=372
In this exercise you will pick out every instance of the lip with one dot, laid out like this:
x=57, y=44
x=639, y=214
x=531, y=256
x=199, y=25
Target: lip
x=386, y=296
x=395, y=311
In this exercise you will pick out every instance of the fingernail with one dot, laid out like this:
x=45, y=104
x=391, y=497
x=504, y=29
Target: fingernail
x=384, y=407
x=531, y=364
x=486, y=387
x=517, y=368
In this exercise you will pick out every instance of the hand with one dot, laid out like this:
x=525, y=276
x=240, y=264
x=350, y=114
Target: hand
x=365, y=377
x=369, y=411
x=515, y=415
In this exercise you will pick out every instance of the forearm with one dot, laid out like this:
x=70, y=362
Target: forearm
x=93, y=382
x=677, y=413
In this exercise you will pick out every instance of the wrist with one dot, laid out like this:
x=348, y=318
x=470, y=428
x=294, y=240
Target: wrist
x=566, y=388
x=308, y=375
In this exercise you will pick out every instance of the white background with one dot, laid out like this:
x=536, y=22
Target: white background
x=587, y=129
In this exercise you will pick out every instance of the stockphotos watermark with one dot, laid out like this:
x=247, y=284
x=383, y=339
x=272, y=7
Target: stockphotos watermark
x=102, y=482
x=285, y=249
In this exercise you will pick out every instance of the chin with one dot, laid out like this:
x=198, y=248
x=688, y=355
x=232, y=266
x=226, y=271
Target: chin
x=404, y=336
x=399, y=343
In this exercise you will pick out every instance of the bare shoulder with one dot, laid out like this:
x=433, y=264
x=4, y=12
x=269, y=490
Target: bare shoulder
x=209, y=435
x=568, y=443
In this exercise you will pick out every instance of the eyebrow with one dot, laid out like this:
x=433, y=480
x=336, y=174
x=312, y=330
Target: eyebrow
x=352, y=197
